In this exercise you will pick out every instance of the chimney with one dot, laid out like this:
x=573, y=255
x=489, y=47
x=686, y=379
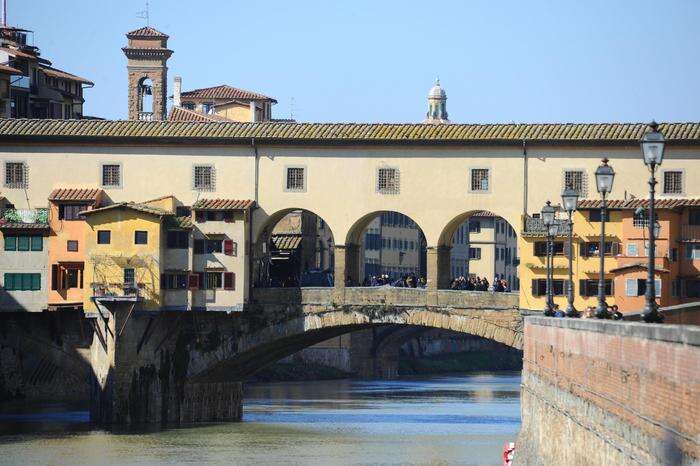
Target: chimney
x=253, y=116
x=177, y=89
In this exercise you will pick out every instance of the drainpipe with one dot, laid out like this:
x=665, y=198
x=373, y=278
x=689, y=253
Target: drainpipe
x=256, y=178
x=525, y=184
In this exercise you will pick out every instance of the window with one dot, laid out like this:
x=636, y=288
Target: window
x=15, y=175
x=229, y=281
x=295, y=179
x=207, y=107
x=140, y=237
x=692, y=251
x=474, y=226
x=188, y=105
x=129, y=279
x=592, y=248
x=22, y=281
x=594, y=215
x=70, y=211
x=183, y=211
x=638, y=287
x=540, y=248
x=203, y=178
x=694, y=217
x=212, y=280
x=111, y=175
x=72, y=245
x=673, y=182
x=24, y=243
x=590, y=287
x=208, y=246
x=388, y=181
x=641, y=219
x=104, y=236
x=539, y=287
x=479, y=179
x=71, y=279
x=576, y=180
x=173, y=281
x=178, y=239
x=474, y=253
x=632, y=249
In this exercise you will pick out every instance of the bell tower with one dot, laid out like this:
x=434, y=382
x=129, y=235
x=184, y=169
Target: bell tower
x=437, y=105
x=147, y=54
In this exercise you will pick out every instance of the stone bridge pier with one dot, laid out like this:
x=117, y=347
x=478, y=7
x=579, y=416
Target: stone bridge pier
x=188, y=367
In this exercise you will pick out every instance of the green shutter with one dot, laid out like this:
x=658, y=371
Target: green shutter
x=26, y=281
x=23, y=243
x=37, y=243
x=36, y=281
x=9, y=281
x=10, y=243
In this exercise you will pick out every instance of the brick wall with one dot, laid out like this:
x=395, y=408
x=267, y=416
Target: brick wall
x=603, y=392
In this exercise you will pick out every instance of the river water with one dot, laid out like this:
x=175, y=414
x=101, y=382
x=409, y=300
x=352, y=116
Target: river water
x=436, y=420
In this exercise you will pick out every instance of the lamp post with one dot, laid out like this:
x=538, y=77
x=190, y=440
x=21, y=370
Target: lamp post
x=548, y=219
x=604, y=177
x=652, y=144
x=569, y=199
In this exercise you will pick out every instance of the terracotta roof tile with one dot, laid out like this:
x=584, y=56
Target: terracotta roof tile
x=342, y=132
x=146, y=31
x=224, y=91
x=637, y=265
x=75, y=194
x=669, y=203
x=130, y=205
x=6, y=225
x=56, y=73
x=183, y=114
x=9, y=70
x=223, y=204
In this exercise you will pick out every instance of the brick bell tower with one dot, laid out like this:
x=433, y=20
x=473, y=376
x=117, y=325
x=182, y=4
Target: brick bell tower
x=147, y=54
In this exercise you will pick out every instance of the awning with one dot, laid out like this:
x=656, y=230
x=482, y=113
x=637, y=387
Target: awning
x=286, y=242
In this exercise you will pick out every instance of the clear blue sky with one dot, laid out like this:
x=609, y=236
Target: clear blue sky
x=374, y=61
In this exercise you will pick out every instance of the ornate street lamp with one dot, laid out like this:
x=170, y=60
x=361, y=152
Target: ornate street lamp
x=547, y=214
x=652, y=143
x=604, y=177
x=569, y=199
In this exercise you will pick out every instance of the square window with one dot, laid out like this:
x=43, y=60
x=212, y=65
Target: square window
x=203, y=178
x=295, y=179
x=72, y=245
x=673, y=182
x=576, y=180
x=632, y=249
x=104, y=236
x=71, y=211
x=479, y=179
x=388, y=181
x=111, y=175
x=140, y=237
x=15, y=175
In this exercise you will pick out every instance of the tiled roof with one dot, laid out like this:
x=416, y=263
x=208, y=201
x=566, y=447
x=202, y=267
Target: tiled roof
x=668, y=203
x=6, y=225
x=286, y=242
x=56, y=73
x=21, y=54
x=223, y=204
x=146, y=31
x=183, y=114
x=130, y=205
x=9, y=70
x=75, y=194
x=224, y=91
x=637, y=265
x=614, y=133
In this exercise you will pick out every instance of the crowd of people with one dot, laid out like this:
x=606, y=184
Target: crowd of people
x=474, y=283
x=405, y=281
x=590, y=311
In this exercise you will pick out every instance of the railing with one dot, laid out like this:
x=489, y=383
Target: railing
x=535, y=226
x=690, y=232
x=115, y=290
x=146, y=116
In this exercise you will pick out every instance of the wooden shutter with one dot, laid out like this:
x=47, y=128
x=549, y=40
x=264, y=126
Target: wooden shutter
x=193, y=281
x=54, y=276
x=229, y=248
x=616, y=249
x=535, y=287
x=631, y=287
x=566, y=249
x=229, y=281
x=583, y=249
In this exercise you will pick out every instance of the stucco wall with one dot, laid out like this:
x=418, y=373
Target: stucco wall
x=23, y=262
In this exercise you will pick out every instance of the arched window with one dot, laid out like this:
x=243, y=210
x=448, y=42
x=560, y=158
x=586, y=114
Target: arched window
x=145, y=93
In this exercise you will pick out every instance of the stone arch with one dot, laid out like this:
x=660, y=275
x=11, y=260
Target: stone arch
x=314, y=238
x=355, y=238
x=146, y=98
x=275, y=341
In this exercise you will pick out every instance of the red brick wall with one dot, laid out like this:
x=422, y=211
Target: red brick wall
x=644, y=378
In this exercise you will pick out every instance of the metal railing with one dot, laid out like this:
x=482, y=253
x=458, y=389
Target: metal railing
x=145, y=116
x=536, y=226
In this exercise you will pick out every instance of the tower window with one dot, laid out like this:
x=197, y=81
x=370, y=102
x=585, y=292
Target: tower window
x=388, y=181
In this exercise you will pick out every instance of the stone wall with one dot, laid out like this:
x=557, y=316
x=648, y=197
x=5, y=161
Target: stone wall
x=603, y=392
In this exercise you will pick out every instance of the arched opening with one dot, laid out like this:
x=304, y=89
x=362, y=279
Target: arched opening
x=480, y=253
x=145, y=95
x=386, y=248
x=294, y=249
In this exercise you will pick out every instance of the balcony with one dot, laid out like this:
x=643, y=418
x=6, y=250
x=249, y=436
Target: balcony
x=690, y=232
x=535, y=227
x=25, y=218
x=145, y=116
x=115, y=292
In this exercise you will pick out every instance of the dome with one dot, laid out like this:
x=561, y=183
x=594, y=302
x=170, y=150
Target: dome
x=437, y=92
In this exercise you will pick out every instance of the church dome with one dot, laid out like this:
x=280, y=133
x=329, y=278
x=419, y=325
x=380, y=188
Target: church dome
x=437, y=92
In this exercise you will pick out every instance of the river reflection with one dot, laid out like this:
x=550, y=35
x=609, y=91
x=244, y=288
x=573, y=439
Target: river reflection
x=436, y=420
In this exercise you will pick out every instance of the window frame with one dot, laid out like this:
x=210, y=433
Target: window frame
x=583, y=192
x=663, y=181
x=109, y=236
x=470, y=180
x=304, y=172
x=212, y=186
x=144, y=235
x=24, y=184
x=386, y=190
x=121, y=176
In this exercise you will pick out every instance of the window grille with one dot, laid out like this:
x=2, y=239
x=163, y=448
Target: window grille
x=388, y=181
x=203, y=178
x=673, y=182
x=480, y=179
x=576, y=180
x=16, y=175
x=111, y=175
x=295, y=179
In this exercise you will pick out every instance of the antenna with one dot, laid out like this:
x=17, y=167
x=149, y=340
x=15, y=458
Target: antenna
x=145, y=14
x=291, y=109
x=4, y=13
